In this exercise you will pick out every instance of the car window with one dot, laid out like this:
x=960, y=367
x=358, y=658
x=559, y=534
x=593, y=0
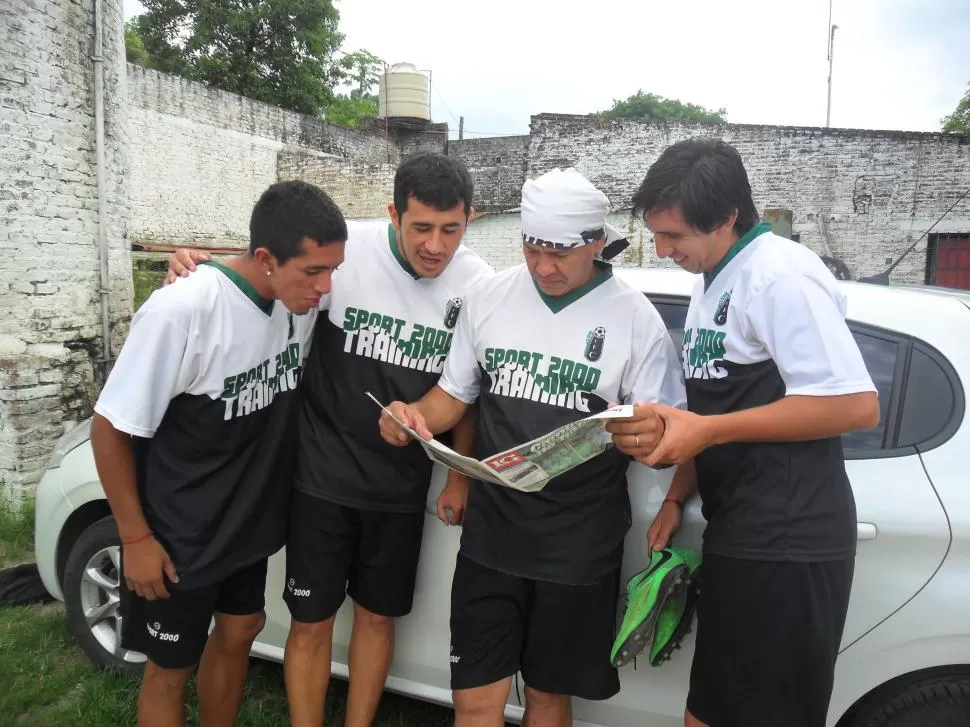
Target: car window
x=933, y=401
x=880, y=353
x=674, y=314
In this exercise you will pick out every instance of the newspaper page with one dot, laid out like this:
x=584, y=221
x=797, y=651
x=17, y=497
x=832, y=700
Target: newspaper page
x=528, y=467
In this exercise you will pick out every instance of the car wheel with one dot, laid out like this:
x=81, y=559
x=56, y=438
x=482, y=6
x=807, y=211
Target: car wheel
x=943, y=701
x=91, y=598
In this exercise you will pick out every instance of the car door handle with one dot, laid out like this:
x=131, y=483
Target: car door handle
x=866, y=531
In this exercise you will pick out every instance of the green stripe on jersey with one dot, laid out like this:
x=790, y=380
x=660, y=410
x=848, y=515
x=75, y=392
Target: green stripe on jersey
x=401, y=260
x=737, y=247
x=556, y=303
x=244, y=285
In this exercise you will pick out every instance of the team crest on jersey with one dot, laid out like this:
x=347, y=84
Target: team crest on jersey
x=594, y=343
x=452, y=309
x=720, y=315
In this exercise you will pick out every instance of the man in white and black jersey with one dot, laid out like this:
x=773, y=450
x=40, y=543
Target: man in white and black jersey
x=358, y=511
x=538, y=346
x=194, y=439
x=774, y=378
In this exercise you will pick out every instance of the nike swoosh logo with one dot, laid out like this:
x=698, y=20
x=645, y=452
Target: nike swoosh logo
x=664, y=557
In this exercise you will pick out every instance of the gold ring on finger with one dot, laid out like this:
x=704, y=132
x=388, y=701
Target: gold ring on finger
x=636, y=438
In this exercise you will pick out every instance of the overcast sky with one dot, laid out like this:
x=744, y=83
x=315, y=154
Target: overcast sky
x=899, y=64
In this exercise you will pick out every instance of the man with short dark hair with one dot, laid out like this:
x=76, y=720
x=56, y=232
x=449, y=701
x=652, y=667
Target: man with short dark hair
x=357, y=516
x=774, y=378
x=192, y=441
x=358, y=510
x=538, y=346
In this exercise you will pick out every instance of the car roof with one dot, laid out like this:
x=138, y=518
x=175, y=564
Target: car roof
x=931, y=313
x=675, y=281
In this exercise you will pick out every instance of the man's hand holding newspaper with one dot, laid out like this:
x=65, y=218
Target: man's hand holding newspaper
x=527, y=467
x=400, y=415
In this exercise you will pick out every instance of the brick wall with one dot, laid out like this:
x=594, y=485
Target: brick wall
x=498, y=166
x=497, y=237
x=361, y=189
x=185, y=164
x=49, y=279
x=862, y=196
x=201, y=157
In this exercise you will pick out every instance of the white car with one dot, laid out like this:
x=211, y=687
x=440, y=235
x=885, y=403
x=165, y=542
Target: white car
x=905, y=657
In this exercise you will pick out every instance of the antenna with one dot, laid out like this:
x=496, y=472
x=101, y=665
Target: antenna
x=831, y=56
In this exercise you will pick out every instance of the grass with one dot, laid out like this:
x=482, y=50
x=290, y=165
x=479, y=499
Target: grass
x=16, y=531
x=47, y=680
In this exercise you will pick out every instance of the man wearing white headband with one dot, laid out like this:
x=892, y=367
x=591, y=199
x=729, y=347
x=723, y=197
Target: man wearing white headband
x=540, y=345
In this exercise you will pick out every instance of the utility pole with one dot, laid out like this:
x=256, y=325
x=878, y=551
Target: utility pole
x=461, y=128
x=831, y=55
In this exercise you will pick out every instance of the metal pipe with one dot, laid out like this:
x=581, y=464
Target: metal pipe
x=102, y=239
x=828, y=104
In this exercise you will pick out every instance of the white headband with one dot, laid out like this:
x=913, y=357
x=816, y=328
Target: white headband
x=562, y=209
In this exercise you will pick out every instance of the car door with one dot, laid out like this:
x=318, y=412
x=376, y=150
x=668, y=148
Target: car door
x=902, y=528
x=903, y=533
x=649, y=695
x=423, y=637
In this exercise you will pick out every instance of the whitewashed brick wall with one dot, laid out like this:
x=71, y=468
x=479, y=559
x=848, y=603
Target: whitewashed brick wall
x=361, y=189
x=863, y=196
x=49, y=274
x=497, y=237
x=498, y=167
x=201, y=157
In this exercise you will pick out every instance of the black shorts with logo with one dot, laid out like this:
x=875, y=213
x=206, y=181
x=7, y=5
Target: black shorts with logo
x=172, y=632
x=335, y=550
x=768, y=634
x=559, y=636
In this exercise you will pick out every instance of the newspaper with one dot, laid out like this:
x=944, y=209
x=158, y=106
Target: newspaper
x=528, y=467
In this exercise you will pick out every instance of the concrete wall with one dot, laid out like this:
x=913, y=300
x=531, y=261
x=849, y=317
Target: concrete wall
x=49, y=278
x=861, y=196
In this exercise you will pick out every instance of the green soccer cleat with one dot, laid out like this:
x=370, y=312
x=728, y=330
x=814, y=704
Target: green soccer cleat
x=677, y=614
x=647, y=593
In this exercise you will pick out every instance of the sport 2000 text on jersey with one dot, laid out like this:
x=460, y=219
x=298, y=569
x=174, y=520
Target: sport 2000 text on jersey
x=769, y=321
x=386, y=331
x=536, y=363
x=206, y=385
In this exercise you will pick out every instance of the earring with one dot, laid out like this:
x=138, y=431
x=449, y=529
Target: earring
x=267, y=272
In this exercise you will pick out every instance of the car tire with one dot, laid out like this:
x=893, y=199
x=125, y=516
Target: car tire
x=91, y=591
x=943, y=701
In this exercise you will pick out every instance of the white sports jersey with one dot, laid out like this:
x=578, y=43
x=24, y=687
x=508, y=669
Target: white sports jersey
x=768, y=322
x=206, y=381
x=535, y=363
x=386, y=331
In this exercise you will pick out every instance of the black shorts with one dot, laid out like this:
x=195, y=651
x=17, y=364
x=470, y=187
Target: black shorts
x=559, y=636
x=172, y=632
x=334, y=550
x=768, y=635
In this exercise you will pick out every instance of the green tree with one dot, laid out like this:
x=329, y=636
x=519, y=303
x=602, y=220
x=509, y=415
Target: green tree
x=651, y=106
x=134, y=48
x=362, y=71
x=347, y=111
x=959, y=121
x=276, y=51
